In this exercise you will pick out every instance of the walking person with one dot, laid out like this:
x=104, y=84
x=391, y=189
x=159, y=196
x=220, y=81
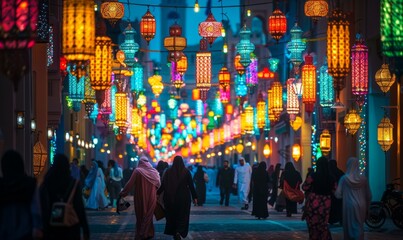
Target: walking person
x=200, y=182
x=275, y=179
x=115, y=181
x=178, y=189
x=225, y=178
x=20, y=216
x=59, y=184
x=336, y=208
x=260, y=181
x=144, y=181
x=294, y=180
x=95, y=181
x=242, y=181
x=321, y=186
x=354, y=189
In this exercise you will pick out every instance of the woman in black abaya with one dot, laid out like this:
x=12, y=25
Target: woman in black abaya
x=200, y=183
x=260, y=180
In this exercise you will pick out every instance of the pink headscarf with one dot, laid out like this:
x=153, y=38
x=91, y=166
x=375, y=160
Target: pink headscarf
x=147, y=171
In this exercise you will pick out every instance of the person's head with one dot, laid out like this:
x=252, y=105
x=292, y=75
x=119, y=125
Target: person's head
x=143, y=162
x=111, y=163
x=262, y=166
x=200, y=168
x=75, y=161
x=160, y=165
x=226, y=164
x=332, y=165
x=353, y=166
x=242, y=161
x=61, y=166
x=277, y=168
x=178, y=162
x=322, y=165
x=289, y=167
x=12, y=164
x=271, y=168
x=100, y=164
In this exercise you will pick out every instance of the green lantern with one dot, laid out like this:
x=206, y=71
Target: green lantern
x=392, y=27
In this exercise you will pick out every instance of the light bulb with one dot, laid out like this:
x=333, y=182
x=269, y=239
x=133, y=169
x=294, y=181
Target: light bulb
x=225, y=48
x=248, y=12
x=197, y=8
x=223, y=32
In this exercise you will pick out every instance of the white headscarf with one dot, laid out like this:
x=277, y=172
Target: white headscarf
x=353, y=170
x=148, y=172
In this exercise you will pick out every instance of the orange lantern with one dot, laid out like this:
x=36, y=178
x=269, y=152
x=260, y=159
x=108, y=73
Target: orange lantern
x=266, y=150
x=309, y=84
x=325, y=142
x=121, y=111
x=182, y=65
x=229, y=109
x=277, y=24
x=175, y=43
x=261, y=112
x=112, y=10
x=270, y=104
x=316, y=9
x=296, y=152
x=249, y=120
x=147, y=26
x=277, y=93
x=210, y=29
x=238, y=66
x=195, y=94
x=265, y=74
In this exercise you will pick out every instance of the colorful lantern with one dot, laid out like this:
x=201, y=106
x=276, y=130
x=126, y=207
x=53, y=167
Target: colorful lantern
x=352, y=121
x=147, y=26
x=112, y=10
x=309, y=84
x=292, y=100
x=203, y=70
x=296, y=124
x=359, y=70
x=384, y=78
x=175, y=43
x=182, y=65
x=266, y=150
x=265, y=74
x=136, y=80
x=89, y=96
x=210, y=29
x=278, y=98
x=121, y=111
x=316, y=9
x=156, y=84
x=136, y=122
x=326, y=90
x=338, y=50
x=251, y=72
x=298, y=87
x=240, y=85
x=245, y=47
x=129, y=46
x=296, y=46
x=217, y=107
x=261, y=112
x=385, y=134
x=325, y=142
x=249, y=120
x=238, y=66
x=392, y=27
x=296, y=152
x=277, y=24
x=76, y=91
x=18, y=23
x=176, y=78
x=224, y=79
x=274, y=64
x=105, y=110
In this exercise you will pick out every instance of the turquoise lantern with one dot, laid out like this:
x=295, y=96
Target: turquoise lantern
x=76, y=91
x=136, y=80
x=112, y=116
x=245, y=47
x=129, y=46
x=274, y=64
x=296, y=46
x=217, y=107
x=326, y=90
x=240, y=85
x=199, y=108
x=163, y=120
x=94, y=113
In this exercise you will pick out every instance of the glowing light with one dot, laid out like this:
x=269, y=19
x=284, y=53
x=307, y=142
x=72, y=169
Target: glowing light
x=277, y=24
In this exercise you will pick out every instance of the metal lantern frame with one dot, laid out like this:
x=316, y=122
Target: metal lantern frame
x=352, y=121
x=277, y=24
x=148, y=26
x=112, y=10
x=325, y=142
x=385, y=134
x=384, y=78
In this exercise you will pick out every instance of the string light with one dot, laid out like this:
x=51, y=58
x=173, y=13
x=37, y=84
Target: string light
x=362, y=138
x=196, y=7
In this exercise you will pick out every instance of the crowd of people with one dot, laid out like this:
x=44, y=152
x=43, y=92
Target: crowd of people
x=30, y=210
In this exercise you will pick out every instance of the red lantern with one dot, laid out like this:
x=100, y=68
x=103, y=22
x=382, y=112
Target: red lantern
x=147, y=26
x=224, y=78
x=182, y=65
x=63, y=65
x=238, y=66
x=359, y=70
x=277, y=24
x=309, y=84
x=210, y=29
x=265, y=74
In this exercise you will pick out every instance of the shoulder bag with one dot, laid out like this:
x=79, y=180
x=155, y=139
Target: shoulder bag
x=63, y=213
x=293, y=194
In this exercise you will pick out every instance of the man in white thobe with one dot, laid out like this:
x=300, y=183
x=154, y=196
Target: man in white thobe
x=242, y=180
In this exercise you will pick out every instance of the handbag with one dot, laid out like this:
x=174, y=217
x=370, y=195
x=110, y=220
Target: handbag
x=63, y=213
x=293, y=194
x=122, y=205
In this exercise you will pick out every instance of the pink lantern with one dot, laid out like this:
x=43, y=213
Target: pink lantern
x=359, y=63
x=210, y=29
x=292, y=100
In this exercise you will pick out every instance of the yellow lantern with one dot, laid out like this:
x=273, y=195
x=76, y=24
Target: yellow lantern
x=261, y=112
x=39, y=158
x=206, y=142
x=156, y=84
x=136, y=122
x=249, y=119
x=385, y=134
x=384, y=78
x=270, y=104
x=121, y=111
x=277, y=91
x=101, y=64
x=243, y=123
x=239, y=148
x=352, y=121
x=292, y=100
x=182, y=65
x=316, y=9
x=112, y=10
x=325, y=142
x=296, y=152
x=203, y=70
x=296, y=124
x=185, y=152
x=266, y=150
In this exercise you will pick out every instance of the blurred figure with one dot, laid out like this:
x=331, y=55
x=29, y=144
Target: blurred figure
x=144, y=181
x=58, y=185
x=260, y=181
x=294, y=180
x=83, y=175
x=242, y=181
x=354, y=189
x=337, y=204
x=20, y=216
x=115, y=181
x=274, y=179
x=95, y=181
x=75, y=170
x=161, y=168
x=225, y=178
x=177, y=186
x=200, y=182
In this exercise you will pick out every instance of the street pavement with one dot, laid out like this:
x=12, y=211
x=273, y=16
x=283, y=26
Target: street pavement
x=212, y=221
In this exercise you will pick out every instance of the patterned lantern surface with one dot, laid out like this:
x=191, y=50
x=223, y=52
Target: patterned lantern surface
x=89, y=96
x=105, y=110
x=136, y=80
x=147, y=26
x=296, y=46
x=18, y=23
x=338, y=49
x=121, y=111
x=326, y=90
x=359, y=69
x=384, y=78
x=245, y=47
x=297, y=87
x=182, y=65
x=385, y=134
x=392, y=27
x=261, y=112
x=316, y=9
x=309, y=84
x=218, y=107
x=156, y=84
x=273, y=64
x=325, y=142
x=176, y=78
x=129, y=46
x=210, y=29
x=265, y=74
x=203, y=70
x=296, y=124
x=249, y=120
x=136, y=122
x=78, y=30
x=277, y=24
x=296, y=152
x=266, y=150
x=76, y=91
x=240, y=85
x=101, y=64
x=352, y=121
x=270, y=104
x=39, y=158
x=251, y=72
x=238, y=66
x=224, y=79
x=277, y=93
x=112, y=10
x=175, y=43
x=292, y=100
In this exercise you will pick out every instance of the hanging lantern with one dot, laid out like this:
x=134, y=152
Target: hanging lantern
x=251, y=72
x=359, y=70
x=325, y=142
x=352, y=121
x=239, y=148
x=238, y=66
x=277, y=24
x=292, y=100
x=105, y=110
x=240, y=85
x=210, y=29
x=218, y=107
x=249, y=120
x=229, y=109
x=245, y=47
x=278, y=98
x=129, y=46
x=338, y=50
x=296, y=46
x=385, y=134
x=76, y=91
x=309, y=84
x=89, y=97
x=326, y=90
x=296, y=124
x=195, y=94
x=203, y=70
x=261, y=112
x=175, y=43
x=384, y=78
x=147, y=26
x=274, y=64
x=112, y=10
x=265, y=74
x=40, y=156
x=78, y=40
x=298, y=87
x=266, y=150
x=224, y=79
x=176, y=78
x=316, y=9
x=136, y=123
x=121, y=111
x=296, y=152
x=392, y=27
x=101, y=65
x=136, y=79
x=182, y=65
x=156, y=84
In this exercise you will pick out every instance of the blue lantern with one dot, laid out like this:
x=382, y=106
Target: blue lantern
x=296, y=46
x=163, y=120
x=245, y=47
x=112, y=116
x=274, y=64
x=129, y=46
x=136, y=80
x=217, y=107
x=199, y=108
x=240, y=85
x=326, y=90
x=76, y=91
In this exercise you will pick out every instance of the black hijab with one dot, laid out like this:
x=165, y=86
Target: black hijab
x=334, y=170
x=199, y=175
x=173, y=177
x=58, y=178
x=260, y=173
x=323, y=182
